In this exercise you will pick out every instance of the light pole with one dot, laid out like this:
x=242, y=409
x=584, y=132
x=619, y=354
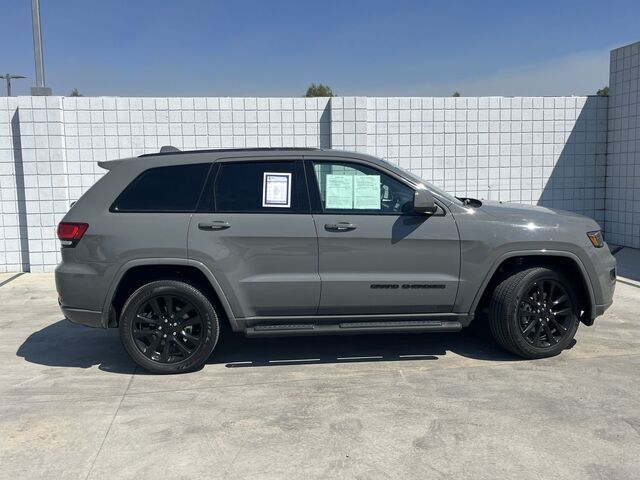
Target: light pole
x=40, y=88
x=8, y=77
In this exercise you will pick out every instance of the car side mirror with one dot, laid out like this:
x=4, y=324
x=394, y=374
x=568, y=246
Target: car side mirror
x=423, y=202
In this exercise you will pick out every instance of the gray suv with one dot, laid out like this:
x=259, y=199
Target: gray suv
x=274, y=242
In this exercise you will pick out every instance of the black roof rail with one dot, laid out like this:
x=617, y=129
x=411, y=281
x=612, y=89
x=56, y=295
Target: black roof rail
x=169, y=150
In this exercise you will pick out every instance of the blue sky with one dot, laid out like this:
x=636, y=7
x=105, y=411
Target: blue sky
x=271, y=47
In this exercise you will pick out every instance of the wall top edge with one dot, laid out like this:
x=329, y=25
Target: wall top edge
x=56, y=97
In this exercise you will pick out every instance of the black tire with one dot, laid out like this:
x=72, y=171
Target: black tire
x=168, y=326
x=534, y=313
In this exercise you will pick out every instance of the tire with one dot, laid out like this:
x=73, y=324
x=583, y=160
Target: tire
x=534, y=313
x=168, y=326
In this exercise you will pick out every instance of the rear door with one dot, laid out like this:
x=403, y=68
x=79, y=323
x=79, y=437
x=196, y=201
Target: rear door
x=376, y=255
x=254, y=230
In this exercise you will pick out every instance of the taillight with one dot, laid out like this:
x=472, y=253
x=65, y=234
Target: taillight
x=70, y=233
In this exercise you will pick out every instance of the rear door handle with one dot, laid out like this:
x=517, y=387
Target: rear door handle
x=339, y=227
x=216, y=225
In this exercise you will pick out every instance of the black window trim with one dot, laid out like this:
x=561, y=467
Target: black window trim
x=299, y=177
x=313, y=186
x=113, y=208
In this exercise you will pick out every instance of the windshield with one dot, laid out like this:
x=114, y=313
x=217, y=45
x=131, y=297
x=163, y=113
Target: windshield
x=416, y=179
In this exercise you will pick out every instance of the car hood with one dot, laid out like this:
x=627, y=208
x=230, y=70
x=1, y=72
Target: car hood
x=533, y=216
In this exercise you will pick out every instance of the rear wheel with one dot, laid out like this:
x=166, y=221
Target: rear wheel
x=169, y=326
x=534, y=313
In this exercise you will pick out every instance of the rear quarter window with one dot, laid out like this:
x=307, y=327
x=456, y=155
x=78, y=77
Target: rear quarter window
x=175, y=188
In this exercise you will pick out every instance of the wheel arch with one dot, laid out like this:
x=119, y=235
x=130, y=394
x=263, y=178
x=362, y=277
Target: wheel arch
x=569, y=263
x=136, y=273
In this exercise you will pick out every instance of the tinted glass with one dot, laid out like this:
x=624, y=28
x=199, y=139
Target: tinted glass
x=355, y=188
x=164, y=189
x=270, y=187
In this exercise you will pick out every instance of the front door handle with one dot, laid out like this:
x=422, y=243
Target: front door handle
x=216, y=225
x=339, y=227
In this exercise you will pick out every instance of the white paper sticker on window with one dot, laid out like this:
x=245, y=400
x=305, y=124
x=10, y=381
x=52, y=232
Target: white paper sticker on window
x=276, y=190
x=366, y=192
x=339, y=191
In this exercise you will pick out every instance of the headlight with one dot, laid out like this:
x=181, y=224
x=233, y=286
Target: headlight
x=596, y=238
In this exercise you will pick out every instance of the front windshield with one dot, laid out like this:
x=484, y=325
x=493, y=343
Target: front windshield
x=416, y=179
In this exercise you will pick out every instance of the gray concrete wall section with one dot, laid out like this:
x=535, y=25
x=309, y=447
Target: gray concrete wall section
x=623, y=150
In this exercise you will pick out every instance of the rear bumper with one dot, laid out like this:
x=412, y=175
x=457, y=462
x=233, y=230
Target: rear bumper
x=88, y=318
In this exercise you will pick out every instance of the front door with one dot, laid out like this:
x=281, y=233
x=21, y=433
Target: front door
x=376, y=255
x=254, y=230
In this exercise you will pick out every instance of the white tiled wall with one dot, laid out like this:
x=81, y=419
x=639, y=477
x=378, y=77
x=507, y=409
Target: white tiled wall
x=538, y=150
x=551, y=151
x=13, y=252
x=623, y=150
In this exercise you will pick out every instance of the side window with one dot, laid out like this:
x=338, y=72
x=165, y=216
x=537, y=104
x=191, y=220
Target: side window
x=355, y=188
x=268, y=187
x=164, y=189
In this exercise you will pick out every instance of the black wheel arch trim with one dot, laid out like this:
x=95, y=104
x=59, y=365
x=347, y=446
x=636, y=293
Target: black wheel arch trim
x=107, y=310
x=534, y=253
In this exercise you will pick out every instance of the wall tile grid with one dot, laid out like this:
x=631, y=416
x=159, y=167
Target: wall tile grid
x=622, y=223
x=65, y=138
x=10, y=245
x=543, y=150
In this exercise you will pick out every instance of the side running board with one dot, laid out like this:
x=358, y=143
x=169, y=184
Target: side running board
x=351, y=328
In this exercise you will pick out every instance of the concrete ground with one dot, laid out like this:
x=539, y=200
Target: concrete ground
x=72, y=404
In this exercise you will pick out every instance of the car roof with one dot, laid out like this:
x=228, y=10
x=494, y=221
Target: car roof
x=176, y=157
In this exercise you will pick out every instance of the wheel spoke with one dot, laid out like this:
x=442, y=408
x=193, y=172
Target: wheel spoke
x=150, y=320
x=536, y=337
x=195, y=320
x=530, y=327
x=557, y=325
x=143, y=332
x=561, y=299
x=561, y=312
x=180, y=313
x=184, y=349
x=168, y=303
x=151, y=349
x=155, y=306
x=550, y=338
x=188, y=336
x=164, y=356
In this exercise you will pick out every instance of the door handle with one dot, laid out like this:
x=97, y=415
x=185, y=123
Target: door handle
x=216, y=225
x=339, y=227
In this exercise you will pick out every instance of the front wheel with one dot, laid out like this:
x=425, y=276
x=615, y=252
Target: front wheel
x=534, y=313
x=169, y=326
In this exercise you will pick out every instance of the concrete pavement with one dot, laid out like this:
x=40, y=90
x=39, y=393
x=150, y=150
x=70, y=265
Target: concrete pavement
x=72, y=404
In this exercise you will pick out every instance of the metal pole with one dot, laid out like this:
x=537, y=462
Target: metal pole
x=8, y=77
x=40, y=88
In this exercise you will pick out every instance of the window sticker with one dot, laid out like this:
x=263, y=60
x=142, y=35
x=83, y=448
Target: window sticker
x=366, y=192
x=339, y=191
x=276, y=190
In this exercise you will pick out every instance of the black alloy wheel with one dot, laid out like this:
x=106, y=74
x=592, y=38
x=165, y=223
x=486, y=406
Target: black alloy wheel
x=545, y=313
x=534, y=313
x=169, y=326
x=168, y=329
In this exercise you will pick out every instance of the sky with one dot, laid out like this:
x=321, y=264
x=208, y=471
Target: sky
x=277, y=48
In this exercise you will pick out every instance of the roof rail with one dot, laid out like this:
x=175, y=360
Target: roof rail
x=169, y=150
